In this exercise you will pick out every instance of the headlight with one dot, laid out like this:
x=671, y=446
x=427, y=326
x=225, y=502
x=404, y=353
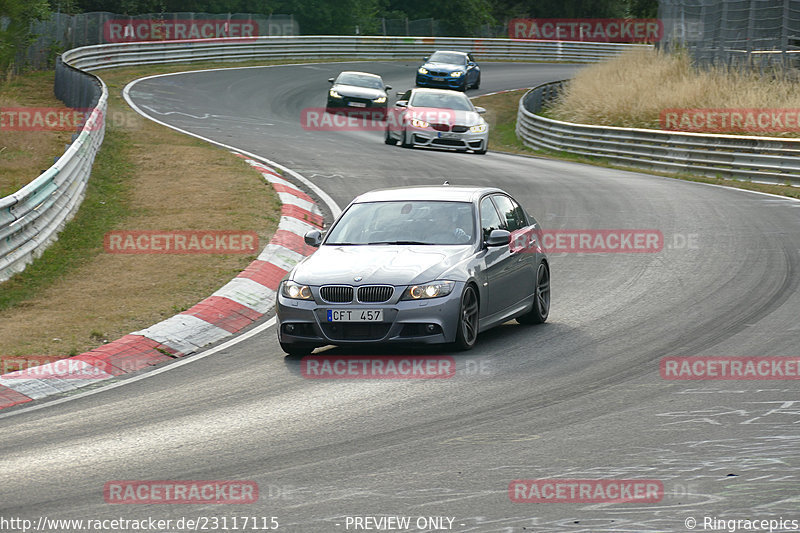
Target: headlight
x=456, y=73
x=380, y=100
x=480, y=128
x=435, y=289
x=334, y=94
x=422, y=70
x=417, y=123
x=295, y=291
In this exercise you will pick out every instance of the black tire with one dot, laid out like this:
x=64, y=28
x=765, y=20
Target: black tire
x=403, y=140
x=296, y=350
x=388, y=139
x=541, y=303
x=477, y=83
x=468, y=319
x=463, y=87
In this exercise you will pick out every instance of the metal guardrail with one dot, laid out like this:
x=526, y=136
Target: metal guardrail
x=313, y=47
x=766, y=159
x=31, y=218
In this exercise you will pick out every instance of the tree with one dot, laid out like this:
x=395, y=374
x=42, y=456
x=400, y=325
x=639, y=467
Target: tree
x=16, y=17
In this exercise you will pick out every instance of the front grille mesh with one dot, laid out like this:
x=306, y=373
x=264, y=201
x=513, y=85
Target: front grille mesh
x=340, y=294
x=440, y=127
x=375, y=293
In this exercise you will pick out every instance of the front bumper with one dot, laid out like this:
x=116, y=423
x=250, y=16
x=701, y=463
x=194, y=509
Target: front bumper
x=430, y=321
x=447, y=139
x=445, y=82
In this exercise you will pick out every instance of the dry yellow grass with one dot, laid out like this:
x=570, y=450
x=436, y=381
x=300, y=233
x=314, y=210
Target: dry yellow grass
x=24, y=154
x=632, y=90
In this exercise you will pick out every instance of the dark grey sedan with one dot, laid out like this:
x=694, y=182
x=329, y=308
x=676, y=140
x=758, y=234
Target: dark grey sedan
x=416, y=264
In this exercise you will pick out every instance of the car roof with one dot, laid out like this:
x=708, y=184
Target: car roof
x=359, y=73
x=448, y=193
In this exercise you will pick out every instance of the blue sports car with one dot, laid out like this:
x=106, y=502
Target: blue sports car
x=450, y=70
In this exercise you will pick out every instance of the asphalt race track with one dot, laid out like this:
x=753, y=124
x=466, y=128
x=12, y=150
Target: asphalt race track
x=580, y=397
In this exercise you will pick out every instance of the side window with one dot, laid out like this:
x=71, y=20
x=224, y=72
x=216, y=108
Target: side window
x=511, y=211
x=490, y=220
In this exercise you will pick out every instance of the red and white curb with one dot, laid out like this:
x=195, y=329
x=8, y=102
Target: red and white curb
x=243, y=300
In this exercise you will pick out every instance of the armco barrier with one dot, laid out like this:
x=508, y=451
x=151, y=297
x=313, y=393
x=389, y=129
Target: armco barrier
x=312, y=47
x=31, y=218
x=766, y=159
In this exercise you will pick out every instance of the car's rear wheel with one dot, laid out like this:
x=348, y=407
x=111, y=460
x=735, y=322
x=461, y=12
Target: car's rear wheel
x=541, y=302
x=296, y=349
x=468, y=319
x=388, y=139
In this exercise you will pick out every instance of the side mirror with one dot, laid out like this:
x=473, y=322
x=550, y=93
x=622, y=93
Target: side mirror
x=388, y=87
x=425, y=58
x=401, y=103
x=498, y=237
x=331, y=80
x=480, y=110
x=314, y=238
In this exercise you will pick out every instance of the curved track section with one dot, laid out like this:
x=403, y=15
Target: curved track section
x=579, y=398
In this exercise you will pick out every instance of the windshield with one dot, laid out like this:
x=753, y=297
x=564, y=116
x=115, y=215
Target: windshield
x=405, y=222
x=444, y=100
x=448, y=57
x=359, y=80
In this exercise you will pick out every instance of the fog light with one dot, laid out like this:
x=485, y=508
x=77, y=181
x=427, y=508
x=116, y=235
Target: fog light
x=289, y=328
x=430, y=328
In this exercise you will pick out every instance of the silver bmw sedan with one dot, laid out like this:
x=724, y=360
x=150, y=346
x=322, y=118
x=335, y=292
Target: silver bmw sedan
x=430, y=264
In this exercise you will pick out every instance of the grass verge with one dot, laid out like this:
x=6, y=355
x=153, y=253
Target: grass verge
x=25, y=154
x=76, y=296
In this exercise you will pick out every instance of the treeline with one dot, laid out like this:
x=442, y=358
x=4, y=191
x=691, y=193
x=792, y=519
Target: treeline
x=461, y=17
x=345, y=17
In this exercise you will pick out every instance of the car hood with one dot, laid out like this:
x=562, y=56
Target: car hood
x=451, y=116
x=385, y=264
x=443, y=67
x=358, y=92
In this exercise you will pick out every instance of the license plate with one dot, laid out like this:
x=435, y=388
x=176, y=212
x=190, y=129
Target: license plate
x=355, y=315
x=438, y=79
x=447, y=136
x=357, y=104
